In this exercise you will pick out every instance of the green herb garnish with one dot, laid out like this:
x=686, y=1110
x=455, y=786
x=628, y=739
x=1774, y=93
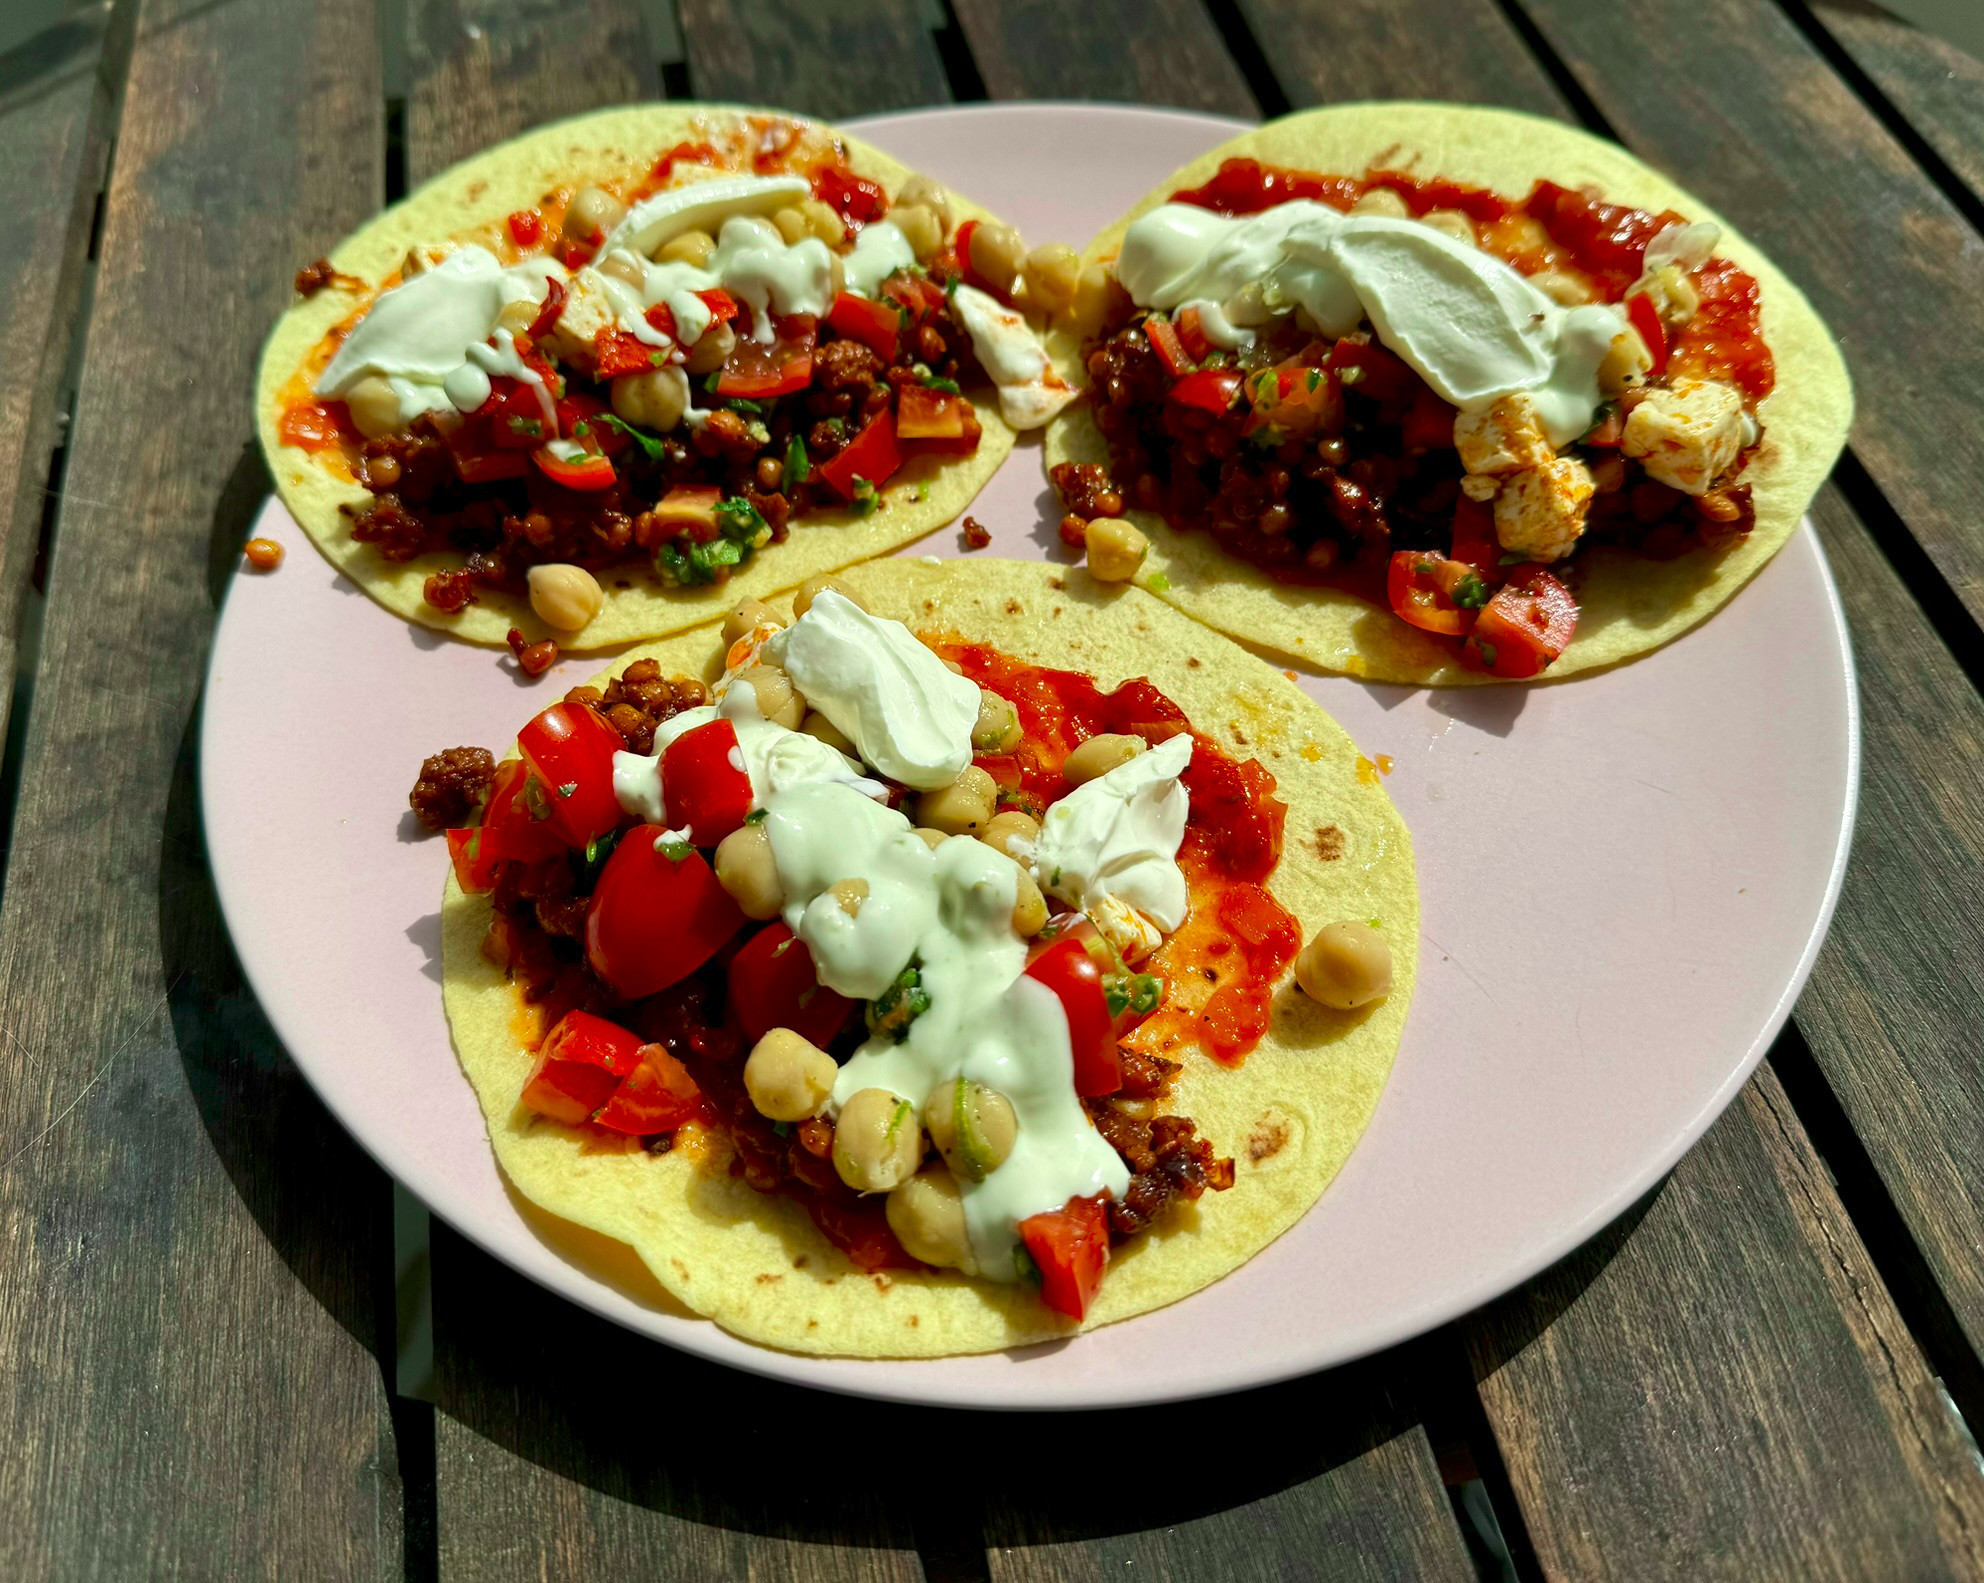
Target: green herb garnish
x=674, y=851
x=899, y=1005
x=526, y=426
x=651, y=448
x=1470, y=593
x=935, y=381
x=865, y=498
x=757, y=816
x=782, y=1128
x=798, y=466
x=739, y=404
x=1157, y=582
x=741, y=521
x=1025, y=1267
x=1486, y=651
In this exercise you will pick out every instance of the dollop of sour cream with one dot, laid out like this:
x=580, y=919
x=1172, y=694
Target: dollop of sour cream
x=1470, y=325
x=1115, y=839
x=905, y=712
x=1030, y=392
x=700, y=206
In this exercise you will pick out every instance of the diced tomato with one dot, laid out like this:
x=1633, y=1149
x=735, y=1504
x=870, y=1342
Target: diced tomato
x=872, y=455
x=481, y=454
x=573, y=254
x=1525, y=626
x=655, y=917
x=723, y=308
x=587, y=472
x=1644, y=317
x=876, y=325
x=1170, y=350
x=1370, y=370
x=704, y=788
x=919, y=297
x=579, y=1064
x=1192, y=335
x=1233, y=1019
x=513, y=416
x=1294, y=397
x=1070, y=1246
x=569, y=750
x=475, y=870
x=615, y=352
x=1426, y=590
x=773, y=984
x=507, y=814
x=855, y=199
x=758, y=373
x=934, y=420
x=575, y=418
x=961, y=251
x=693, y=153
x=549, y=310
x=1211, y=390
x=1067, y=968
x=1428, y=424
x=657, y=1096
x=526, y=226
x=690, y=509
x=1475, y=544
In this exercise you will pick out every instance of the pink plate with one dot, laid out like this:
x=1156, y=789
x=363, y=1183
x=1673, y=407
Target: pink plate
x=1679, y=827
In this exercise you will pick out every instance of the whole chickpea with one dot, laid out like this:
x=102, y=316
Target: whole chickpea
x=654, y=400
x=791, y=225
x=1099, y=755
x=972, y=1126
x=564, y=596
x=373, y=407
x=817, y=584
x=823, y=222
x=778, y=700
x=1381, y=201
x=849, y=894
x=878, y=1142
x=1052, y=273
x=1452, y=223
x=517, y=317
x=1014, y=833
x=962, y=808
x=712, y=350
x=998, y=726
x=691, y=247
x=927, y=1215
x=1116, y=549
x=921, y=228
x=592, y=213
x=745, y=868
x=746, y=618
x=788, y=1076
x=998, y=255
x=921, y=190
x=1347, y=965
x=1029, y=906
x=930, y=838
x=1560, y=286
x=1095, y=295
x=818, y=725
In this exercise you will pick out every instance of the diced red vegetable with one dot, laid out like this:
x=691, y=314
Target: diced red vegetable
x=1211, y=390
x=1070, y=1246
x=657, y=1096
x=723, y=308
x=1644, y=317
x=1525, y=626
x=587, y=473
x=656, y=915
x=876, y=325
x=526, y=226
x=1068, y=969
x=569, y=750
x=1370, y=370
x=1192, y=335
x=935, y=420
x=773, y=984
x=919, y=297
x=1475, y=543
x=872, y=455
x=579, y=1064
x=567, y=1091
x=615, y=352
x=552, y=306
x=690, y=509
x=704, y=787
x=759, y=373
x=1170, y=350
x=855, y=199
x=1428, y=424
x=1422, y=584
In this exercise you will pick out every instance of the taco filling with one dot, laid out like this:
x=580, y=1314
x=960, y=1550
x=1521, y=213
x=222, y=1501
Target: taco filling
x=906, y=929
x=1421, y=392
x=669, y=374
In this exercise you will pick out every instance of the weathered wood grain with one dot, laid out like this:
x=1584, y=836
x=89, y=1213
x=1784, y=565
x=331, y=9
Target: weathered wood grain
x=1763, y=127
x=479, y=71
x=187, y=1309
x=54, y=128
x=1165, y=52
x=1724, y=1389
x=1938, y=87
x=1333, y=51
x=854, y=57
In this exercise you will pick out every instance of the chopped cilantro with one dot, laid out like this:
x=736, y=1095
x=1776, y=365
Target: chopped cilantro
x=837, y=427
x=1513, y=560
x=674, y=851
x=758, y=816
x=1374, y=923
x=598, y=850
x=782, y=1128
x=1486, y=651
x=568, y=788
x=1157, y=583
x=738, y=404
x=650, y=447
x=1313, y=379
x=710, y=383
x=740, y=520
x=1137, y=992
x=527, y=426
x=899, y=1005
x=935, y=381
x=798, y=466
x=951, y=286
x=1024, y=1266
x=865, y=498
x=1470, y=593
x=718, y=552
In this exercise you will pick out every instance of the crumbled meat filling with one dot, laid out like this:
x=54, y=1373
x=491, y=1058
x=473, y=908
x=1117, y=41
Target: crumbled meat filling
x=450, y=786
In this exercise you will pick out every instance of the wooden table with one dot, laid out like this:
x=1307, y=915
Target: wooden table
x=1762, y=1372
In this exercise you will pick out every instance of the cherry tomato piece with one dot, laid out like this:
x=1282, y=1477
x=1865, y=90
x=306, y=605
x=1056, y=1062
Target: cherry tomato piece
x=773, y=984
x=1067, y=968
x=579, y=1065
x=569, y=750
x=876, y=325
x=872, y=455
x=1071, y=1248
x=1427, y=590
x=704, y=788
x=656, y=915
x=1525, y=626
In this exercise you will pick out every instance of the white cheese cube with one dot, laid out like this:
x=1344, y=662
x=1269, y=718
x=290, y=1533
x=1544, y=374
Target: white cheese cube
x=1539, y=512
x=588, y=309
x=1688, y=434
x=1502, y=437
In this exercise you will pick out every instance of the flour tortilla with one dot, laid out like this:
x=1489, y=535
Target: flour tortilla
x=469, y=202
x=1631, y=605
x=1289, y=1117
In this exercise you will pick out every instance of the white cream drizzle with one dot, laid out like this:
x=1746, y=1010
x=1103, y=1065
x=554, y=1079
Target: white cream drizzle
x=1030, y=392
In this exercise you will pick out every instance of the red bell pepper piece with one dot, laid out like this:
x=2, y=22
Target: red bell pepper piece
x=704, y=788
x=876, y=325
x=553, y=305
x=615, y=352
x=1170, y=350
x=587, y=473
x=1644, y=317
x=773, y=984
x=1428, y=424
x=526, y=227
x=569, y=750
x=657, y=914
x=1070, y=1247
x=1211, y=390
x=1068, y=969
x=872, y=455
x=855, y=199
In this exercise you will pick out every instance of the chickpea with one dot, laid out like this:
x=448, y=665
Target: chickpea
x=1029, y=906
x=749, y=615
x=1095, y=296
x=1347, y=965
x=564, y=596
x=791, y=225
x=1381, y=201
x=998, y=254
x=691, y=247
x=712, y=350
x=878, y=1143
x=1560, y=286
x=849, y=894
x=744, y=868
x=1052, y=273
x=1453, y=223
x=1626, y=363
x=1116, y=549
x=1099, y=755
x=621, y=267
x=778, y=700
x=837, y=274
x=788, y=1076
x=817, y=584
x=517, y=317
x=962, y=808
x=770, y=474
x=373, y=407
x=823, y=222
x=1014, y=833
x=972, y=1126
x=920, y=228
x=927, y=1215
x=998, y=726
x=655, y=400
x=922, y=191
x=818, y=725
x=591, y=214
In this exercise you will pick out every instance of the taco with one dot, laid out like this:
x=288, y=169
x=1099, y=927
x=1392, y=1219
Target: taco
x=955, y=1001
x=596, y=383
x=1434, y=394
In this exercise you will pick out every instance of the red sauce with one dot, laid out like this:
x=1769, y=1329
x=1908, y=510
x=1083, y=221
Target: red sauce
x=1217, y=997
x=311, y=425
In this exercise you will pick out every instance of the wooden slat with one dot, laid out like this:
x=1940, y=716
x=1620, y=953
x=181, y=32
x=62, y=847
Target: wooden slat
x=1763, y=128
x=852, y=57
x=54, y=124
x=186, y=1302
x=1724, y=1390
x=1938, y=87
x=1164, y=52
x=1331, y=51
x=480, y=71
